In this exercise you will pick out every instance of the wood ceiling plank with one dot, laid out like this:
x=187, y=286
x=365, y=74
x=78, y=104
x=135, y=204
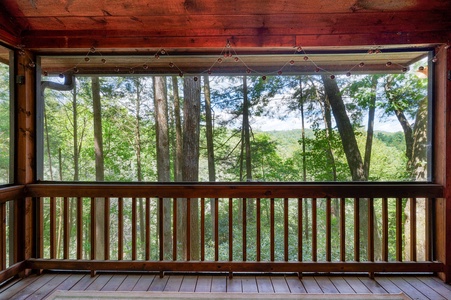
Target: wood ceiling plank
x=226, y=7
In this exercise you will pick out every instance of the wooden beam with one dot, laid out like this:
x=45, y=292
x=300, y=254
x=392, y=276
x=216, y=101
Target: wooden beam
x=442, y=164
x=238, y=266
x=236, y=190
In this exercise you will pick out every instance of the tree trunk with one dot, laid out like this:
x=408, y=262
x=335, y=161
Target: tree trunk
x=345, y=129
x=353, y=157
x=163, y=160
x=370, y=129
x=99, y=163
x=210, y=148
x=191, y=130
x=418, y=168
x=178, y=165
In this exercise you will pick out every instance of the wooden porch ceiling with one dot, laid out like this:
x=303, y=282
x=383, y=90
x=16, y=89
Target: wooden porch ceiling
x=187, y=26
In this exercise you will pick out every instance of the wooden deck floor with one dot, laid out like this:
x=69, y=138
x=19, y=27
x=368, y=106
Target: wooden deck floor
x=40, y=287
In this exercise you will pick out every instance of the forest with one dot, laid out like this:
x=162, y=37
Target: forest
x=222, y=129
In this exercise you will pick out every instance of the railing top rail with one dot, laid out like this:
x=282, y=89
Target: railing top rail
x=236, y=190
x=11, y=192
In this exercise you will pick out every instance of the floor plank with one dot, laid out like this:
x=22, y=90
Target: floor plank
x=264, y=285
x=144, y=283
x=158, y=284
x=295, y=285
x=129, y=283
x=342, y=285
x=39, y=287
x=311, y=286
x=357, y=285
x=219, y=284
x=234, y=285
x=439, y=287
x=424, y=288
x=32, y=287
x=280, y=285
x=249, y=284
x=99, y=282
x=188, y=284
x=203, y=284
x=408, y=289
x=326, y=285
x=49, y=287
x=114, y=283
x=372, y=285
x=174, y=283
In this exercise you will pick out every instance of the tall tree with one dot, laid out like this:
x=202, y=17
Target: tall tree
x=163, y=157
x=210, y=146
x=99, y=163
x=190, y=172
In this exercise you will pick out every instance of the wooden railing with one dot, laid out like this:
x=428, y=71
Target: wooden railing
x=235, y=227
x=9, y=244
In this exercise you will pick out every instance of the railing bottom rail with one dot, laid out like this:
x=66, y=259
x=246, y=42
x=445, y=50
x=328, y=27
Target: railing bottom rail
x=238, y=266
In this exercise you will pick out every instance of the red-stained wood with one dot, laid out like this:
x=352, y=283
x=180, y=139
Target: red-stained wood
x=235, y=190
x=230, y=229
x=238, y=266
x=79, y=228
x=11, y=193
x=188, y=230
x=398, y=222
x=134, y=226
x=258, y=223
x=271, y=230
x=202, y=228
x=52, y=233
x=413, y=229
x=370, y=233
x=216, y=229
x=314, y=230
x=106, y=216
x=328, y=230
x=244, y=222
x=66, y=230
x=342, y=229
x=3, y=252
x=384, y=229
x=120, y=228
x=356, y=229
x=93, y=233
x=174, y=228
x=148, y=227
x=300, y=229
x=285, y=229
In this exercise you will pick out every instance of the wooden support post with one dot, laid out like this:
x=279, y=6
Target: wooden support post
x=25, y=162
x=442, y=159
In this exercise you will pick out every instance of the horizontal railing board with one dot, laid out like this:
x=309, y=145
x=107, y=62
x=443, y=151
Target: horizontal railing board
x=12, y=271
x=11, y=192
x=239, y=266
x=245, y=190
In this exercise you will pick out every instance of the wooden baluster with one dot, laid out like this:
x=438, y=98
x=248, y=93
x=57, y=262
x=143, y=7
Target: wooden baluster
x=52, y=227
x=79, y=228
x=174, y=230
x=398, y=229
x=428, y=228
x=328, y=229
x=134, y=231
x=371, y=229
x=314, y=230
x=244, y=217
x=93, y=228
x=66, y=232
x=300, y=229
x=161, y=229
x=120, y=228
x=106, y=229
x=384, y=229
x=413, y=229
x=216, y=229
x=272, y=230
x=343, y=229
x=285, y=229
x=147, y=229
x=3, y=251
x=188, y=229
x=230, y=229
x=356, y=229
x=39, y=224
x=258, y=241
x=202, y=229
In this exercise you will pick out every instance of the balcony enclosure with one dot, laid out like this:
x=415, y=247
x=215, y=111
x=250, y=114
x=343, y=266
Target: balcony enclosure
x=161, y=149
